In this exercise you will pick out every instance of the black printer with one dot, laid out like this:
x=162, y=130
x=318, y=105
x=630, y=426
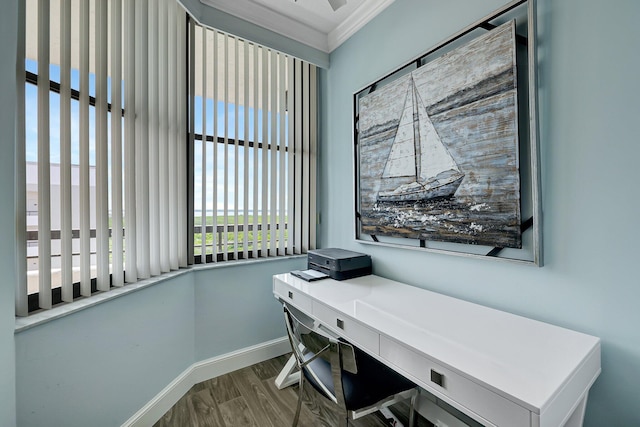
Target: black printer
x=339, y=264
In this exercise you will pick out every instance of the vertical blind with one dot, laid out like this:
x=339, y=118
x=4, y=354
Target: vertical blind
x=104, y=192
x=253, y=127
x=147, y=139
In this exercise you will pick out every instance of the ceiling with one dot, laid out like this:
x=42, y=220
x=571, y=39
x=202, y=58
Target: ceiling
x=311, y=22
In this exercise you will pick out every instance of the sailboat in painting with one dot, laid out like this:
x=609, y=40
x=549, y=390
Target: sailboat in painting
x=418, y=152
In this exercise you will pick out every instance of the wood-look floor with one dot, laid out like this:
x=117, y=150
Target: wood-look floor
x=248, y=397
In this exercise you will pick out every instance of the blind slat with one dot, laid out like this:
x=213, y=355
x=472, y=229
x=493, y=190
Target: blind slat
x=305, y=159
x=117, y=278
x=66, y=242
x=313, y=141
x=255, y=172
x=215, y=132
x=21, y=297
x=203, y=174
x=264, y=182
x=282, y=193
x=85, y=202
x=174, y=140
x=153, y=182
x=164, y=205
x=236, y=147
x=189, y=180
x=290, y=154
x=131, y=239
x=44, y=172
x=142, y=140
x=273, y=142
x=246, y=152
x=225, y=213
x=183, y=233
x=299, y=156
x=102, y=156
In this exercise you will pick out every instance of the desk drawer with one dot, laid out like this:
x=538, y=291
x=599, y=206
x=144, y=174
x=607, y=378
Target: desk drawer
x=292, y=296
x=458, y=389
x=348, y=328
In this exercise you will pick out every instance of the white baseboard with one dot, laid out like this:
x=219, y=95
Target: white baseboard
x=202, y=371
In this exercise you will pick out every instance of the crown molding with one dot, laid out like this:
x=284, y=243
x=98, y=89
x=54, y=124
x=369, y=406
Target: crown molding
x=262, y=16
x=355, y=22
x=267, y=18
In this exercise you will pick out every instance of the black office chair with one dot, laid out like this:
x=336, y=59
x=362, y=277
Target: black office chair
x=342, y=373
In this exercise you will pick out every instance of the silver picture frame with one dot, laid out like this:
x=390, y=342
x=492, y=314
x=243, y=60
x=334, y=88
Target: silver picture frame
x=381, y=209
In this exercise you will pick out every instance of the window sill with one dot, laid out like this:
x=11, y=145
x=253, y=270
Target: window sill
x=44, y=316
x=228, y=264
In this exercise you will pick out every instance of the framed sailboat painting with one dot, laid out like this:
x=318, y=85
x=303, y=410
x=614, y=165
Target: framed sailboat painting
x=439, y=146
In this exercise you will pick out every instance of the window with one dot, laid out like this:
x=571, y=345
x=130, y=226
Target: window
x=253, y=127
x=103, y=143
x=126, y=104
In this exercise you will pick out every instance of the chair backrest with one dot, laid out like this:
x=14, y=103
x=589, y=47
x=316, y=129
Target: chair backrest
x=309, y=343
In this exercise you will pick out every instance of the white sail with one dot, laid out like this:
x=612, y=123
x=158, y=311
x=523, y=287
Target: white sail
x=434, y=156
x=417, y=149
x=402, y=158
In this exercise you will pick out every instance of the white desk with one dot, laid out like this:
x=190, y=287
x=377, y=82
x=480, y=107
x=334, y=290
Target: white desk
x=498, y=368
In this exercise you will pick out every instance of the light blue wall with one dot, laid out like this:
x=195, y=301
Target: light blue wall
x=589, y=91
x=235, y=307
x=99, y=366
x=8, y=31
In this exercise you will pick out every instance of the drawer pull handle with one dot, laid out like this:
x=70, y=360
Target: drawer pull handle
x=340, y=323
x=437, y=378
x=290, y=295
